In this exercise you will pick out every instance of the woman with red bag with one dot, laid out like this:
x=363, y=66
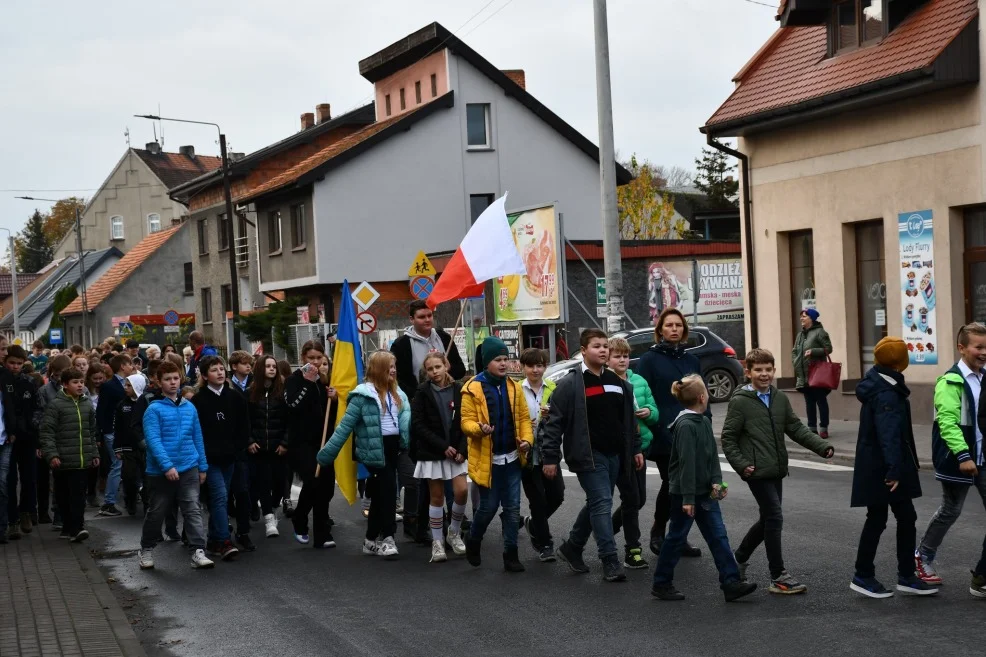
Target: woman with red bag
x=812, y=345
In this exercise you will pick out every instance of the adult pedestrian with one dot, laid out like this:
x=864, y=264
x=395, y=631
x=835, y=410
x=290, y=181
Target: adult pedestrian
x=199, y=348
x=811, y=345
x=665, y=363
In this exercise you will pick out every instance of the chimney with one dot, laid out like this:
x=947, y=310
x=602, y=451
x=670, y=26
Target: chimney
x=153, y=147
x=187, y=151
x=307, y=120
x=323, y=112
x=235, y=157
x=517, y=76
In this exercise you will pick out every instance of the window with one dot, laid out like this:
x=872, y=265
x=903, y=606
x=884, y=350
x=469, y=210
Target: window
x=403, y=104
x=222, y=226
x=802, y=251
x=206, y=298
x=434, y=85
x=417, y=92
x=202, y=227
x=975, y=264
x=847, y=32
x=862, y=22
x=298, y=226
x=226, y=294
x=241, y=226
x=872, y=16
x=871, y=288
x=386, y=102
x=274, y=232
x=116, y=227
x=478, y=203
x=478, y=125
x=153, y=222
x=189, y=280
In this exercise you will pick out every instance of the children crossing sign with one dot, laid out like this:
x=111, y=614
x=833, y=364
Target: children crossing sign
x=421, y=266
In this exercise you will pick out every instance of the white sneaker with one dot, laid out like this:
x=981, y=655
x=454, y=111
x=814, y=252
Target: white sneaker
x=388, y=549
x=146, y=557
x=370, y=548
x=438, y=552
x=455, y=542
x=199, y=560
x=271, y=521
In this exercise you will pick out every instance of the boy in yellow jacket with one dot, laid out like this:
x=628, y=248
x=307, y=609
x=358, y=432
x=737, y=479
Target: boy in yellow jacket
x=495, y=421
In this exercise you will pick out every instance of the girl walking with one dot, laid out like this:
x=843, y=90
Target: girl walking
x=438, y=447
x=268, y=433
x=378, y=416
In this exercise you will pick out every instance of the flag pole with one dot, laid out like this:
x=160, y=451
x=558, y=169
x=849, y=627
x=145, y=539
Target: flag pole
x=325, y=433
x=458, y=321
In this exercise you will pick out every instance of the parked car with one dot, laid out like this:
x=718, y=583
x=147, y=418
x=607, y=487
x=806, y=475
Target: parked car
x=720, y=368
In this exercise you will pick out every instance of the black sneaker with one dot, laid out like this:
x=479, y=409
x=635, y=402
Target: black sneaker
x=172, y=535
x=44, y=519
x=56, y=525
x=80, y=536
x=667, y=592
x=573, y=557
x=246, y=545
x=324, y=542
x=613, y=570
x=547, y=554
x=634, y=559
x=110, y=510
x=736, y=590
x=511, y=563
x=690, y=551
x=474, y=552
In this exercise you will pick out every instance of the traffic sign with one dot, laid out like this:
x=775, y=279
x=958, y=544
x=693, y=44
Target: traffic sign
x=126, y=328
x=600, y=291
x=422, y=286
x=172, y=329
x=171, y=318
x=366, y=322
x=365, y=295
x=421, y=266
x=55, y=336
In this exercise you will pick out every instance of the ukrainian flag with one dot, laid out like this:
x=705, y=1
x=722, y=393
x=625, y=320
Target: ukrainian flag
x=347, y=372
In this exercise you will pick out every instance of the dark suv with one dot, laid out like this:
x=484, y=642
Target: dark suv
x=720, y=369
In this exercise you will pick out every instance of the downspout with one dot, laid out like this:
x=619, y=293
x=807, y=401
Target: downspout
x=748, y=229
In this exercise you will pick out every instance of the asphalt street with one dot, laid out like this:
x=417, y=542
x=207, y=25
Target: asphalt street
x=292, y=600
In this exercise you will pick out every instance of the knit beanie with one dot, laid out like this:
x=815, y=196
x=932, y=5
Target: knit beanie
x=812, y=314
x=492, y=348
x=891, y=352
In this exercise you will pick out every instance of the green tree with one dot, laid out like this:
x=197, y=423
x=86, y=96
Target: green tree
x=272, y=326
x=33, y=248
x=185, y=326
x=713, y=177
x=644, y=211
x=63, y=297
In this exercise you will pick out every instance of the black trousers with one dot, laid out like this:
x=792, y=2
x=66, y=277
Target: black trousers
x=869, y=540
x=382, y=490
x=43, y=486
x=70, y=492
x=544, y=497
x=632, y=486
x=662, y=507
x=405, y=473
x=268, y=472
x=767, y=529
x=816, y=407
x=316, y=494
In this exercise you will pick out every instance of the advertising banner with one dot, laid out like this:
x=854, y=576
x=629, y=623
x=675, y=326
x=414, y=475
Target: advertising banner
x=917, y=286
x=536, y=295
x=720, y=299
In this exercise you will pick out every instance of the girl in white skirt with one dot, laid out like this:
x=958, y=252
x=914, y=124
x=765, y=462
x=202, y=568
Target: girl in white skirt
x=439, y=449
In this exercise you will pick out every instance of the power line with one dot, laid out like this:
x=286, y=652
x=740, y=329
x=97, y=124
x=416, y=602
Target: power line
x=762, y=4
x=487, y=18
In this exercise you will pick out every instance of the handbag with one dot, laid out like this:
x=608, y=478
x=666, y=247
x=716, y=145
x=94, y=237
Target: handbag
x=824, y=374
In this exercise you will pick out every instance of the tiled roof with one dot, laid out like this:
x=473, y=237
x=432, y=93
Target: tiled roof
x=797, y=69
x=121, y=270
x=6, y=289
x=174, y=169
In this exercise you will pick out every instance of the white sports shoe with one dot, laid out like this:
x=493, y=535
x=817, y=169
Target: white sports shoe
x=388, y=549
x=438, y=552
x=370, y=548
x=199, y=560
x=456, y=543
x=271, y=521
x=146, y=557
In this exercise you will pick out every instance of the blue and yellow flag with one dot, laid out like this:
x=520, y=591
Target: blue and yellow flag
x=347, y=372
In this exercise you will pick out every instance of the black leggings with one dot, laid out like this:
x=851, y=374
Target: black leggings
x=382, y=490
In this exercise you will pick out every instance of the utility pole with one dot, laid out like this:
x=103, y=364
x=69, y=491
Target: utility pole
x=234, y=288
x=607, y=173
x=82, y=273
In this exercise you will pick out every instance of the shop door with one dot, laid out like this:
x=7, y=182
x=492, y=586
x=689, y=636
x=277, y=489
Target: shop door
x=872, y=289
x=975, y=265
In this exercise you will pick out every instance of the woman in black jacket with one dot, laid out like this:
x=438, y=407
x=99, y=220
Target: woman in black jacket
x=438, y=447
x=268, y=429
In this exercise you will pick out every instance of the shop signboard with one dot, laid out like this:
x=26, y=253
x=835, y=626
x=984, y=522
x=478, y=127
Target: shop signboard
x=917, y=286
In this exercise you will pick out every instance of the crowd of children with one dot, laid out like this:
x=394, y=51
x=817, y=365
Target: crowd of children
x=233, y=442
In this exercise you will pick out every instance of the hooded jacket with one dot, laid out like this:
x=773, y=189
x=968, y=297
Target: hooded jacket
x=403, y=350
x=476, y=412
x=953, y=434
x=362, y=420
x=885, y=448
x=429, y=439
x=68, y=431
x=174, y=437
x=816, y=339
x=662, y=365
x=694, y=465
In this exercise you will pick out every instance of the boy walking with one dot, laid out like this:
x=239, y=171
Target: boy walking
x=47, y=394
x=957, y=450
x=110, y=395
x=591, y=417
x=23, y=396
x=38, y=358
x=68, y=444
x=176, y=467
x=758, y=418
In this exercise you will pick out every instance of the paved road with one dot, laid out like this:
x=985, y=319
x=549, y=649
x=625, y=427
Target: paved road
x=290, y=600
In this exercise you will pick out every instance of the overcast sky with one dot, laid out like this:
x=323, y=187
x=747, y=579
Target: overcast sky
x=72, y=74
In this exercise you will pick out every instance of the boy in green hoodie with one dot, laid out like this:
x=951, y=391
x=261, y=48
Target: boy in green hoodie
x=758, y=418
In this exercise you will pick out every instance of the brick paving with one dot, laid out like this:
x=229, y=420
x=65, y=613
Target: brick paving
x=56, y=603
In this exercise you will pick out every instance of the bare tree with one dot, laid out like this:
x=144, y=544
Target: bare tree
x=674, y=177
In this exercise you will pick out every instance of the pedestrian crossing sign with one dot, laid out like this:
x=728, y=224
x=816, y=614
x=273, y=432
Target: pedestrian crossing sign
x=421, y=266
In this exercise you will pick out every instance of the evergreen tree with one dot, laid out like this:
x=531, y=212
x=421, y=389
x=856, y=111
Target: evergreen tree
x=33, y=249
x=713, y=177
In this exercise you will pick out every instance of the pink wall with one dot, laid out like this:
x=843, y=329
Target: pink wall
x=405, y=78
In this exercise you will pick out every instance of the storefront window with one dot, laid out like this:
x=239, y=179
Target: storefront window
x=872, y=288
x=975, y=264
x=802, y=271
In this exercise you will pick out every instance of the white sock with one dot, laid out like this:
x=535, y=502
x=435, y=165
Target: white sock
x=458, y=513
x=436, y=520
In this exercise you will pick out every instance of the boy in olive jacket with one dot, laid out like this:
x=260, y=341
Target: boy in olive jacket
x=758, y=418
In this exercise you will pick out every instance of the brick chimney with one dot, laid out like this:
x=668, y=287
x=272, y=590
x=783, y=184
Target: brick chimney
x=323, y=112
x=517, y=75
x=187, y=151
x=307, y=120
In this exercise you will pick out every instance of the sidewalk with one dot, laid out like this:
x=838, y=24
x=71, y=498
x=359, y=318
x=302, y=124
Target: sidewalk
x=54, y=601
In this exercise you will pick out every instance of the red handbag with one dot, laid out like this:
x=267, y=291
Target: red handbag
x=825, y=374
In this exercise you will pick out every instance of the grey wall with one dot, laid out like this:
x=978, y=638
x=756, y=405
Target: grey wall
x=291, y=263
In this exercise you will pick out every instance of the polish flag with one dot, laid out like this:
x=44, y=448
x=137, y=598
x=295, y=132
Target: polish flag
x=487, y=251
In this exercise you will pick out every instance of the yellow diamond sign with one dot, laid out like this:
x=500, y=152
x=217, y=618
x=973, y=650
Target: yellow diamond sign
x=365, y=295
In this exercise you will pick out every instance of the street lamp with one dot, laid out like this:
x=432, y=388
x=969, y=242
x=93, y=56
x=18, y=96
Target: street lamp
x=82, y=264
x=13, y=280
x=234, y=288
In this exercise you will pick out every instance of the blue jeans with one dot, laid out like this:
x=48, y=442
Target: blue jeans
x=5, y=451
x=596, y=516
x=708, y=517
x=504, y=491
x=217, y=481
x=116, y=467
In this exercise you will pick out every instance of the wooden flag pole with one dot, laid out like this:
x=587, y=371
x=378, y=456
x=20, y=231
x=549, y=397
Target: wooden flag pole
x=458, y=322
x=325, y=434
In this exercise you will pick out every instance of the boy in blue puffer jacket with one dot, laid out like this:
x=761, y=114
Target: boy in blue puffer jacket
x=176, y=467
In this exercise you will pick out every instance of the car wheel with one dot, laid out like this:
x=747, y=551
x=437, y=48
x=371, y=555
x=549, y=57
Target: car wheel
x=720, y=384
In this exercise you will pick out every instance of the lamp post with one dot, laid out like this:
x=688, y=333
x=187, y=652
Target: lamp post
x=13, y=280
x=234, y=291
x=82, y=265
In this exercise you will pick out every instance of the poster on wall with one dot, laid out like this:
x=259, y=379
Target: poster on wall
x=917, y=286
x=534, y=296
x=720, y=299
